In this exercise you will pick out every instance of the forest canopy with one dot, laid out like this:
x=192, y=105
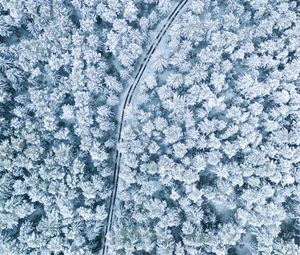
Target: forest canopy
x=166, y=127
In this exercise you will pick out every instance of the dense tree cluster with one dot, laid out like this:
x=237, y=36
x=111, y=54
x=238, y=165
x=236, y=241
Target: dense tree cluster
x=63, y=66
x=210, y=150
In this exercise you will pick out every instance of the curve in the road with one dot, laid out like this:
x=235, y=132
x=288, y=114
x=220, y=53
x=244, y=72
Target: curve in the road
x=127, y=101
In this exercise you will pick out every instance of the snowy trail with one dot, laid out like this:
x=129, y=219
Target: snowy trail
x=127, y=102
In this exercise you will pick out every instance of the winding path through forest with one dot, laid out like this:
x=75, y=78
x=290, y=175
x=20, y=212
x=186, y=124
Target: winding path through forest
x=126, y=103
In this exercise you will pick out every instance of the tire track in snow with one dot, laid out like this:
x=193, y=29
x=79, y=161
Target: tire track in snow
x=127, y=102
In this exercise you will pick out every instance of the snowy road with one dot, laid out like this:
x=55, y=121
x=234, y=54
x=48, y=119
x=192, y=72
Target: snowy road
x=127, y=102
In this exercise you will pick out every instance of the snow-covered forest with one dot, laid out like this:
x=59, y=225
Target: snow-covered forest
x=149, y=127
